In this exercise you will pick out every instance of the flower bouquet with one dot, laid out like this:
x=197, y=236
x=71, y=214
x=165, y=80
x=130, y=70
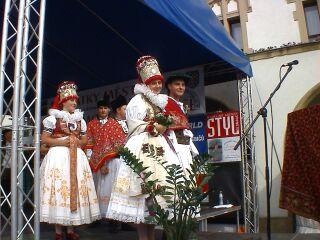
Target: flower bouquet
x=163, y=119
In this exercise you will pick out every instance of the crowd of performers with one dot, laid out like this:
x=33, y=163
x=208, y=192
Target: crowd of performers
x=75, y=191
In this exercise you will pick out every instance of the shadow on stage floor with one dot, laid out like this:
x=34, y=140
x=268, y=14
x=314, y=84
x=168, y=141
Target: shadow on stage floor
x=99, y=230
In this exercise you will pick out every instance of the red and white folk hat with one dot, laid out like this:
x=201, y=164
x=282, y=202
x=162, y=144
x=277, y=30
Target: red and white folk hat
x=148, y=69
x=66, y=90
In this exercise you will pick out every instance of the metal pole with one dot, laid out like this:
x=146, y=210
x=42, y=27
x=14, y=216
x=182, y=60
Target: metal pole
x=3, y=56
x=238, y=222
x=22, y=121
x=254, y=169
x=15, y=116
x=264, y=106
x=2, y=80
x=38, y=123
x=264, y=116
x=243, y=152
x=249, y=185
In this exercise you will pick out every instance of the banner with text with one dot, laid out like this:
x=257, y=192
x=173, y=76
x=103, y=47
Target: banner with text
x=198, y=128
x=223, y=132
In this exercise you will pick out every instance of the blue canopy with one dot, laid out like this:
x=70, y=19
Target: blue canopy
x=97, y=43
x=200, y=23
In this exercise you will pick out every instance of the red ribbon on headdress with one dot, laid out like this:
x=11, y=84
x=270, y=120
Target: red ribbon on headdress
x=55, y=104
x=68, y=98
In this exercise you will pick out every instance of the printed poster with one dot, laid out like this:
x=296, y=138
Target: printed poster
x=223, y=132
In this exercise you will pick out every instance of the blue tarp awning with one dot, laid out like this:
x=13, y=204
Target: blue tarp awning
x=97, y=43
x=199, y=22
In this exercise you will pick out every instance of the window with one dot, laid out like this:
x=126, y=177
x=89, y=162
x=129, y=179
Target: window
x=235, y=31
x=307, y=16
x=312, y=20
x=233, y=15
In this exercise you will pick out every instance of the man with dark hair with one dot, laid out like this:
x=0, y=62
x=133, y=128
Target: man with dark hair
x=118, y=107
x=176, y=85
x=94, y=125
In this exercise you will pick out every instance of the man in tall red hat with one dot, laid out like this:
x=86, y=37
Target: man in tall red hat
x=105, y=135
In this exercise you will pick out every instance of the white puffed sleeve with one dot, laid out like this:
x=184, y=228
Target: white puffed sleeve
x=136, y=111
x=49, y=124
x=83, y=127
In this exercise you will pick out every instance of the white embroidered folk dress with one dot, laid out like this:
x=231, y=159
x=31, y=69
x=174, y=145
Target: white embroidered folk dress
x=127, y=203
x=55, y=180
x=105, y=183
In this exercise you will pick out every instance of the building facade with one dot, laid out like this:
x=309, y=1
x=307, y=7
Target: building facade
x=272, y=33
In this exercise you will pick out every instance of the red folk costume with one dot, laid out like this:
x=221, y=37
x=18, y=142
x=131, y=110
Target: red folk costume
x=104, y=139
x=180, y=120
x=105, y=136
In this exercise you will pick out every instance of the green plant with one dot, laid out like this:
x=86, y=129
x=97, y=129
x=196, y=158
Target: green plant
x=182, y=192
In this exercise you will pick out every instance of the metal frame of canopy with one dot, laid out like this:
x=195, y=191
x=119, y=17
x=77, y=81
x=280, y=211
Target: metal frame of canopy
x=20, y=97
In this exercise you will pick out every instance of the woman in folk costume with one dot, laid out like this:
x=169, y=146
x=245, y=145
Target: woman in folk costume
x=127, y=202
x=67, y=192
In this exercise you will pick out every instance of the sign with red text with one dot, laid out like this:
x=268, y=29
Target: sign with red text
x=223, y=132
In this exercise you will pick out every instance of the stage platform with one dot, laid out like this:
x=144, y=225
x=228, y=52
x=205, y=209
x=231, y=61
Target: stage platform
x=131, y=235
x=101, y=232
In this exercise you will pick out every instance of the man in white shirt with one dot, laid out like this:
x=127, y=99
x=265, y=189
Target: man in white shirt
x=176, y=86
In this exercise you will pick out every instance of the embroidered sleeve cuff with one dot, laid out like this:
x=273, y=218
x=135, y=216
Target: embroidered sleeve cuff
x=48, y=130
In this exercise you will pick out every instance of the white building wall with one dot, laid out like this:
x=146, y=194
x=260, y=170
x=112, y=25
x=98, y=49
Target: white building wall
x=266, y=76
x=271, y=23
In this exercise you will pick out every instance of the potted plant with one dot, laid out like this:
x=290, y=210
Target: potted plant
x=182, y=193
